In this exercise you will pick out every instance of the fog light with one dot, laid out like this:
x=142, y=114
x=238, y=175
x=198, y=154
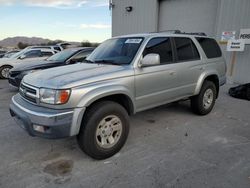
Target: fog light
x=40, y=128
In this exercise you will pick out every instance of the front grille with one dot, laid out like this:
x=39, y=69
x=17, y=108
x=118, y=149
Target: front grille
x=28, y=92
x=14, y=73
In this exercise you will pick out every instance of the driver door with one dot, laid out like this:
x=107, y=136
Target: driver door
x=155, y=84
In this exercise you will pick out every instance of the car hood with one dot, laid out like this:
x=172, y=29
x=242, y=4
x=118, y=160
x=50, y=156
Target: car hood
x=75, y=75
x=33, y=65
x=17, y=62
x=4, y=60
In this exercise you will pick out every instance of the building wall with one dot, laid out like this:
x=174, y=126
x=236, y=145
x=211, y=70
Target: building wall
x=210, y=16
x=143, y=17
x=233, y=16
x=188, y=15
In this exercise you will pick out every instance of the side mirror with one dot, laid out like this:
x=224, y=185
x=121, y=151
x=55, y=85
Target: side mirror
x=72, y=61
x=22, y=57
x=150, y=60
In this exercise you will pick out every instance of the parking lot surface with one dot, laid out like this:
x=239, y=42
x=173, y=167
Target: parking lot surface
x=167, y=146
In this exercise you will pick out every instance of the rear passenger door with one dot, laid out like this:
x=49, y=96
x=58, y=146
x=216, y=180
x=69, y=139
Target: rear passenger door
x=188, y=66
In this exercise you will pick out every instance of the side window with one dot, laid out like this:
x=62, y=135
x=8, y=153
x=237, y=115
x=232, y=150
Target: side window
x=161, y=46
x=79, y=57
x=33, y=53
x=45, y=54
x=210, y=47
x=186, y=49
x=57, y=48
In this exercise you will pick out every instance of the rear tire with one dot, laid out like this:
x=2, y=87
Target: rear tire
x=203, y=103
x=4, y=71
x=104, y=130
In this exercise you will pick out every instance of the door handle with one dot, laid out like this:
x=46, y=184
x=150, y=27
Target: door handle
x=172, y=72
x=202, y=68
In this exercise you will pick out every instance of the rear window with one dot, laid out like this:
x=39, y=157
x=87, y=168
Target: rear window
x=186, y=50
x=210, y=47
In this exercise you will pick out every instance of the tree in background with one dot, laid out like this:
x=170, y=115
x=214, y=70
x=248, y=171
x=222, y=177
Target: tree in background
x=21, y=45
x=85, y=44
x=88, y=44
x=53, y=42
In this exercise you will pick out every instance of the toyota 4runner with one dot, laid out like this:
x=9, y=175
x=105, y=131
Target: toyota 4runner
x=124, y=75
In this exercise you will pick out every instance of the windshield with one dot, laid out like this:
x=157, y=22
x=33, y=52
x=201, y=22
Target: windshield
x=62, y=56
x=16, y=55
x=119, y=51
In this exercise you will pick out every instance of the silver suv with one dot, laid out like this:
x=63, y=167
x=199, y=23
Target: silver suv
x=123, y=76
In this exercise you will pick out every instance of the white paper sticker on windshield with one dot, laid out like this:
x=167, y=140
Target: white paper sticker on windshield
x=133, y=41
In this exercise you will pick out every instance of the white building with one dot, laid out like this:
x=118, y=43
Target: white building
x=209, y=16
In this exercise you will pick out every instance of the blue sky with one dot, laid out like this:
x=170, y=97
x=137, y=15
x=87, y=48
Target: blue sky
x=70, y=20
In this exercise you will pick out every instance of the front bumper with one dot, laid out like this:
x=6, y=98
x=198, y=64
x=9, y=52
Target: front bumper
x=58, y=123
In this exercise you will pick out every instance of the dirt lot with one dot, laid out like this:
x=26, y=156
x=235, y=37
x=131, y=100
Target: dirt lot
x=167, y=147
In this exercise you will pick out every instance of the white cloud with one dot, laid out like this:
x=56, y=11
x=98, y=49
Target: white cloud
x=95, y=26
x=56, y=3
x=6, y=2
x=101, y=4
x=64, y=4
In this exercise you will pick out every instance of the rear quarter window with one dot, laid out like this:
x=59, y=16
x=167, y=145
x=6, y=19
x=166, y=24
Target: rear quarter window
x=210, y=47
x=186, y=49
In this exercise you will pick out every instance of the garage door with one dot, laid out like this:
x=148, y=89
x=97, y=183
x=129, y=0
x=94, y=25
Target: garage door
x=188, y=15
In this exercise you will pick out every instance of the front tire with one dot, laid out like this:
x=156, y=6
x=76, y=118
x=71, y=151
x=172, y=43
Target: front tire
x=203, y=103
x=4, y=71
x=104, y=130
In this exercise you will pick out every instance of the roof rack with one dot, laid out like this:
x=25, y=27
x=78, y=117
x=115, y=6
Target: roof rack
x=184, y=33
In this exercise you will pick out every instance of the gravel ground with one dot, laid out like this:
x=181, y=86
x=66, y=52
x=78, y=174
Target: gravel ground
x=167, y=146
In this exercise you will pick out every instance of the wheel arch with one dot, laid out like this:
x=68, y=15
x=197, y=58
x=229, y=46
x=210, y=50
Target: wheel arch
x=120, y=98
x=213, y=77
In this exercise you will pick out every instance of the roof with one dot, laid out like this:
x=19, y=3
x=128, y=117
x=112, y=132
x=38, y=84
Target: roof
x=165, y=33
x=80, y=48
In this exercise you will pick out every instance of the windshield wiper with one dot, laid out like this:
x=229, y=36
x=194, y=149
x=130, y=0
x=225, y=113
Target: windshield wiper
x=104, y=61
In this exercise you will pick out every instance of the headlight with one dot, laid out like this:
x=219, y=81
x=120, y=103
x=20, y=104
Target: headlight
x=52, y=96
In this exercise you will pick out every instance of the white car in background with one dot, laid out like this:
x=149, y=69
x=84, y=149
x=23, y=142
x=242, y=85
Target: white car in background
x=55, y=47
x=27, y=54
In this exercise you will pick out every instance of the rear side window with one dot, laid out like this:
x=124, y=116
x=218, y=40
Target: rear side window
x=33, y=53
x=80, y=56
x=57, y=48
x=210, y=47
x=186, y=49
x=44, y=54
x=161, y=46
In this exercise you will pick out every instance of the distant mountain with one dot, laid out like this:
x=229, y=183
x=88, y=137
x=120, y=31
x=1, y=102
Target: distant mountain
x=13, y=41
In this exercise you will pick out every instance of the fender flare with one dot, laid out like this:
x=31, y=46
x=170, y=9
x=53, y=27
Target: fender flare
x=105, y=91
x=202, y=78
x=93, y=95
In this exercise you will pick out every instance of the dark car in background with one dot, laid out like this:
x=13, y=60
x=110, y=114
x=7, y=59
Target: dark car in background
x=66, y=57
x=2, y=53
